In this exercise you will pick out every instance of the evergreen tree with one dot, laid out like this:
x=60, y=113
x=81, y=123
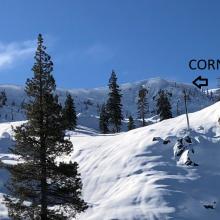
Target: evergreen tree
x=103, y=120
x=3, y=98
x=131, y=124
x=114, y=106
x=177, y=108
x=163, y=105
x=40, y=188
x=211, y=96
x=69, y=113
x=142, y=104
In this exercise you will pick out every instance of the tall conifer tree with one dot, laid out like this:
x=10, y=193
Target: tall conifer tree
x=163, y=106
x=39, y=187
x=69, y=113
x=114, y=106
x=142, y=104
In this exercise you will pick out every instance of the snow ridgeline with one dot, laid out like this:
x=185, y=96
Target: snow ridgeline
x=128, y=176
x=88, y=101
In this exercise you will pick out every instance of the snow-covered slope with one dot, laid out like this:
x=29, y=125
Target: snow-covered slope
x=88, y=101
x=128, y=176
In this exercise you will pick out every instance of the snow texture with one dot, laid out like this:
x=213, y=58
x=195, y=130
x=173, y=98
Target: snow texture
x=128, y=176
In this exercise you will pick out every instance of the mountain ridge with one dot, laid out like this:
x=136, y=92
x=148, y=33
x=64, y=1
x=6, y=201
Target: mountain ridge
x=89, y=101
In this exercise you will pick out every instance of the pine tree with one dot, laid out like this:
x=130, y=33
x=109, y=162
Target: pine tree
x=142, y=104
x=103, y=120
x=163, y=106
x=211, y=96
x=177, y=108
x=3, y=98
x=39, y=187
x=114, y=106
x=131, y=124
x=69, y=113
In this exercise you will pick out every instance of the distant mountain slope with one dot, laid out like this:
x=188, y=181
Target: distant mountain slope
x=88, y=101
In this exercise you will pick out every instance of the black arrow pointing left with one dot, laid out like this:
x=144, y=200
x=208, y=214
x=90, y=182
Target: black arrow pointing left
x=199, y=82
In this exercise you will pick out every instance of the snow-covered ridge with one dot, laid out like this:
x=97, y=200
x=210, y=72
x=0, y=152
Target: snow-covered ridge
x=88, y=101
x=129, y=176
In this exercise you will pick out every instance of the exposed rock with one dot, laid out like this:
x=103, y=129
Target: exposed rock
x=178, y=148
x=185, y=159
x=210, y=206
x=156, y=138
x=166, y=141
x=188, y=139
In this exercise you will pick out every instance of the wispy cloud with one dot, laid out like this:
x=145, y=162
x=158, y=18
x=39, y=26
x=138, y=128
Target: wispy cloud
x=93, y=54
x=99, y=52
x=14, y=52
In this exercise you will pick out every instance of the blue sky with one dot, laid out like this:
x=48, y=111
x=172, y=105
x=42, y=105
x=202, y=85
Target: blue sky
x=87, y=39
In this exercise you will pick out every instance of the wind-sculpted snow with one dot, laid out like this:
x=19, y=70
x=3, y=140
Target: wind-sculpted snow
x=135, y=176
x=88, y=101
x=128, y=176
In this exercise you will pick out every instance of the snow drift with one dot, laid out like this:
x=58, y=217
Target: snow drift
x=133, y=175
x=130, y=176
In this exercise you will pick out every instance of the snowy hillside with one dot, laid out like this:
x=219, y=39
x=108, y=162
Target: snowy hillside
x=135, y=176
x=129, y=176
x=88, y=101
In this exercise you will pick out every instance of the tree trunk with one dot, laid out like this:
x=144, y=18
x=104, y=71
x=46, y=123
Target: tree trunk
x=43, y=188
x=186, y=110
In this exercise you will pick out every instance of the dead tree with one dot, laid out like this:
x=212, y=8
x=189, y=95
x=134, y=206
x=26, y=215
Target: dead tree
x=186, y=97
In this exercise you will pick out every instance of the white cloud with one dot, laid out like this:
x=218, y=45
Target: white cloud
x=13, y=52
